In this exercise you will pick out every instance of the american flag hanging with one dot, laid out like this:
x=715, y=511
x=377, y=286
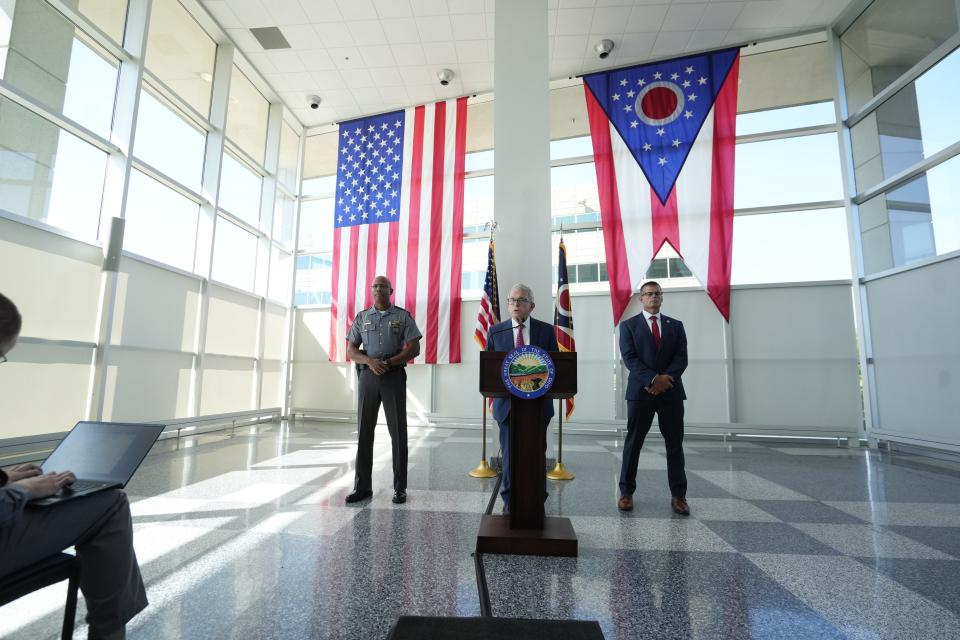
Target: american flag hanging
x=399, y=213
x=563, y=315
x=664, y=137
x=489, y=313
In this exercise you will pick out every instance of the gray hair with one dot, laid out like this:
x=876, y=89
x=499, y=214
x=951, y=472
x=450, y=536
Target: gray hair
x=527, y=291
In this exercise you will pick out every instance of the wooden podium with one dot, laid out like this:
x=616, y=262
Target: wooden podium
x=526, y=531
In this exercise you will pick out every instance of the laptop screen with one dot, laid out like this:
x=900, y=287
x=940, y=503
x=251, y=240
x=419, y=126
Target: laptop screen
x=104, y=451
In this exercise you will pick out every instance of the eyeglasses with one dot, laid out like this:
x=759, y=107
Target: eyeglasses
x=518, y=300
x=379, y=286
x=651, y=294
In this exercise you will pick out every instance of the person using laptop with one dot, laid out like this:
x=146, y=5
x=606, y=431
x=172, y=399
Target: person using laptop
x=98, y=525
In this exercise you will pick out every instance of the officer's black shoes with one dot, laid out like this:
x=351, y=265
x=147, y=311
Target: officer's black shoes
x=358, y=495
x=399, y=497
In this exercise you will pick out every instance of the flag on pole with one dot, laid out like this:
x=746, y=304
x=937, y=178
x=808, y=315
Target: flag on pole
x=563, y=315
x=399, y=213
x=489, y=313
x=663, y=138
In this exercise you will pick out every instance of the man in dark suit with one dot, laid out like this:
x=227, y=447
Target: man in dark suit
x=519, y=330
x=654, y=348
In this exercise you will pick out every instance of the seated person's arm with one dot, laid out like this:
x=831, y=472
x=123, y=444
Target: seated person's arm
x=14, y=495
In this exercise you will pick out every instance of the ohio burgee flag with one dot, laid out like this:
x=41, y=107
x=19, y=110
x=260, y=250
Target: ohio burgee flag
x=663, y=137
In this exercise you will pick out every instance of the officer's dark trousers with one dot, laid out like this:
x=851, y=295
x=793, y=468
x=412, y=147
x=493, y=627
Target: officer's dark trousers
x=640, y=413
x=390, y=389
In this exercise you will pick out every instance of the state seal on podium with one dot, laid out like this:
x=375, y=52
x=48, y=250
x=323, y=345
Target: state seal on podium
x=528, y=372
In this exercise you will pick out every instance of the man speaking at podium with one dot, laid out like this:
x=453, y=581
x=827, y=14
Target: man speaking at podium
x=518, y=331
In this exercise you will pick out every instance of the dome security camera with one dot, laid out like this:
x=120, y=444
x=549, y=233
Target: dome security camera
x=603, y=48
x=314, y=102
x=444, y=76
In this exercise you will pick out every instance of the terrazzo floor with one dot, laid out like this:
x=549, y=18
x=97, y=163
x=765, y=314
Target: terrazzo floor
x=246, y=535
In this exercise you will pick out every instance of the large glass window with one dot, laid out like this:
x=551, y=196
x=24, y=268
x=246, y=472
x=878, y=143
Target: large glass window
x=804, y=115
x=474, y=266
x=793, y=246
x=479, y=161
x=915, y=221
x=319, y=187
x=586, y=258
x=289, y=157
x=279, y=288
x=41, y=55
x=788, y=171
x=320, y=158
x=573, y=194
x=160, y=223
x=234, y=255
x=887, y=39
x=247, y=116
x=47, y=174
x=316, y=225
x=240, y=190
x=108, y=15
x=181, y=54
x=168, y=142
x=477, y=203
x=571, y=148
x=915, y=123
x=314, y=275
x=283, y=215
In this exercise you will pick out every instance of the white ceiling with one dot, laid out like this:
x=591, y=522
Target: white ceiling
x=369, y=56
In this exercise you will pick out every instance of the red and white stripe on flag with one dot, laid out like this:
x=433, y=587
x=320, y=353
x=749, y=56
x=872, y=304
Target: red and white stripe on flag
x=697, y=218
x=420, y=252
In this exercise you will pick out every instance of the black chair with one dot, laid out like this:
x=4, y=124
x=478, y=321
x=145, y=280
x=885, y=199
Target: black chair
x=52, y=570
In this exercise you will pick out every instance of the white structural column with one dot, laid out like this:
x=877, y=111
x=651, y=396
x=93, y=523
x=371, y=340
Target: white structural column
x=861, y=307
x=522, y=150
x=115, y=190
x=268, y=196
x=207, y=223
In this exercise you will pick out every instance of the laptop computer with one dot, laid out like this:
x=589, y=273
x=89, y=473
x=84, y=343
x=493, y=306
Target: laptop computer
x=102, y=455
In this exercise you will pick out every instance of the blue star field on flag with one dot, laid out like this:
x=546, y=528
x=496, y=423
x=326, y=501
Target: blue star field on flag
x=658, y=109
x=370, y=170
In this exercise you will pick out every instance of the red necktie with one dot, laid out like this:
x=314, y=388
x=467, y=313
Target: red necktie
x=520, y=336
x=655, y=329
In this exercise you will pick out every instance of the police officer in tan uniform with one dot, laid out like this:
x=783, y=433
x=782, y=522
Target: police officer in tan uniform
x=390, y=338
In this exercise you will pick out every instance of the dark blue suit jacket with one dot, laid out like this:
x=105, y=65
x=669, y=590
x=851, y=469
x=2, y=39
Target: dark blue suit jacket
x=644, y=362
x=500, y=338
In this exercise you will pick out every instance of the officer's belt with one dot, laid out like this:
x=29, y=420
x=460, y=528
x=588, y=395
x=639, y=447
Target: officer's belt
x=361, y=367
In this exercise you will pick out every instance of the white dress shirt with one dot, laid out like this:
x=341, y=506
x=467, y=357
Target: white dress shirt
x=525, y=329
x=647, y=317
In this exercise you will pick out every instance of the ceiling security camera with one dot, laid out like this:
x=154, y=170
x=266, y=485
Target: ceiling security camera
x=603, y=48
x=314, y=102
x=444, y=76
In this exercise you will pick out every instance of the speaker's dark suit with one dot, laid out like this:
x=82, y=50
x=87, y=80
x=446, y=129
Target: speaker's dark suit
x=644, y=361
x=501, y=338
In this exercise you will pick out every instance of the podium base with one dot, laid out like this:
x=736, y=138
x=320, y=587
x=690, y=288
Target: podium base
x=557, y=538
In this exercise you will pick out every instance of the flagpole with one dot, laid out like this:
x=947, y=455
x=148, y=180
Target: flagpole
x=559, y=472
x=483, y=469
